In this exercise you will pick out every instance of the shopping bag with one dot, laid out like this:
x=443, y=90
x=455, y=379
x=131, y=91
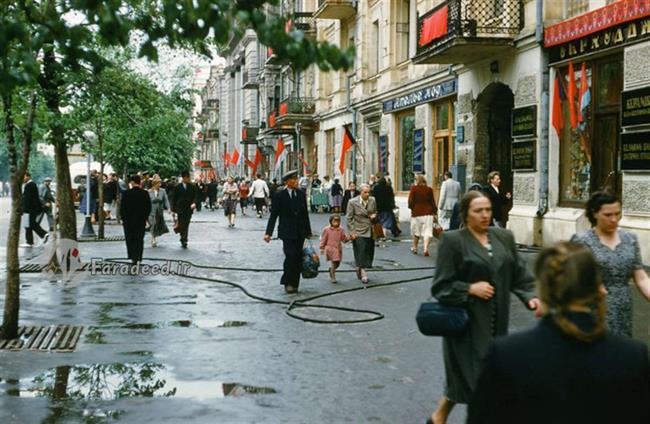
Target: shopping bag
x=310, y=261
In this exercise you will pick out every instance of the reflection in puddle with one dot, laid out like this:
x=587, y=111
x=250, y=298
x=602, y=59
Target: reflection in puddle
x=120, y=380
x=199, y=323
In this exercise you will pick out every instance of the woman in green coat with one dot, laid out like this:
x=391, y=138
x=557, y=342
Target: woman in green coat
x=477, y=267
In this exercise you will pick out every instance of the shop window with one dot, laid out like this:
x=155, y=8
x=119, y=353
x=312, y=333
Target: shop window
x=406, y=127
x=442, y=116
x=589, y=152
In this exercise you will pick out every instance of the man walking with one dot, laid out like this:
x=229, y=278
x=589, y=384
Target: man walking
x=111, y=191
x=184, y=204
x=47, y=200
x=134, y=211
x=498, y=199
x=260, y=191
x=32, y=206
x=290, y=205
x=450, y=192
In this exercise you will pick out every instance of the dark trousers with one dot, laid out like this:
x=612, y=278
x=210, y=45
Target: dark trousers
x=292, y=266
x=134, y=236
x=50, y=218
x=259, y=204
x=33, y=226
x=183, y=227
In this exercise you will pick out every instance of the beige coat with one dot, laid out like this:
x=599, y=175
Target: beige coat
x=358, y=217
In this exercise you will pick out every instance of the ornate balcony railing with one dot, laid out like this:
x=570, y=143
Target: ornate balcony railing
x=456, y=27
x=297, y=106
x=304, y=21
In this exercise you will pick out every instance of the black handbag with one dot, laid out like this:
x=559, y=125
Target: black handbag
x=436, y=319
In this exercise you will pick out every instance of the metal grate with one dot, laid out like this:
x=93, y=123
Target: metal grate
x=52, y=338
x=477, y=18
x=106, y=238
x=36, y=268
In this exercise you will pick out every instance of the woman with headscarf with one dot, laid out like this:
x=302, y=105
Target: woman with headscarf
x=385, y=197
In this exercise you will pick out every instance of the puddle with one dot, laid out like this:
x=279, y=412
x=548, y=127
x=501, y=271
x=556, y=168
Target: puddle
x=105, y=382
x=198, y=323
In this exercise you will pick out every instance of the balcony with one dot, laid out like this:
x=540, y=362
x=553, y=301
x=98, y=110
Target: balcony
x=250, y=78
x=460, y=30
x=304, y=21
x=249, y=135
x=335, y=9
x=295, y=110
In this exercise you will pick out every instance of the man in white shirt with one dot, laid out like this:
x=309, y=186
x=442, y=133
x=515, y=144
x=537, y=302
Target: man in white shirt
x=450, y=192
x=260, y=191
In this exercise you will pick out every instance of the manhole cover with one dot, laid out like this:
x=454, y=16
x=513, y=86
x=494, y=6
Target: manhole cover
x=51, y=338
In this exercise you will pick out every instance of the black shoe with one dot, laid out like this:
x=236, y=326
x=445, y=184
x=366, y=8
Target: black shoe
x=184, y=245
x=290, y=289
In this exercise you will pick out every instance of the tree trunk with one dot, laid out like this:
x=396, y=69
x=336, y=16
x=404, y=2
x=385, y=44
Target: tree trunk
x=12, y=295
x=10, y=317
x=50, y=82
x=100, y=187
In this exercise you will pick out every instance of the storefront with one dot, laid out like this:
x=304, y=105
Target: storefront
x=600, y=116
x=418, y=128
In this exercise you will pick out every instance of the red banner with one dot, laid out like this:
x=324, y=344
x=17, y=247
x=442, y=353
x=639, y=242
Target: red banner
x=284, y=108
x=588, y=23
x=434, y=26
x=272, y=120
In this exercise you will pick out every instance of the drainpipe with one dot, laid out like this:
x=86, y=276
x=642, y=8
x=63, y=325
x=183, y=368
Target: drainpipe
x=542, y=207
x=350, y=109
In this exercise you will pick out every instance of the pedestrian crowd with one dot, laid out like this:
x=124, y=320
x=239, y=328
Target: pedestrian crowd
x=579, y=364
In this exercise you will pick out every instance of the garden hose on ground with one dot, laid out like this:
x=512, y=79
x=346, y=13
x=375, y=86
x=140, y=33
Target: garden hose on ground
x=295, y=304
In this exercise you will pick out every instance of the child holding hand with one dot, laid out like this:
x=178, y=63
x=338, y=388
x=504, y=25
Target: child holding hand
x=330, y=244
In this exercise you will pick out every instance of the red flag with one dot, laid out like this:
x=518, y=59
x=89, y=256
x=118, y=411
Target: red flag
x=558, y=97
x=348, y=142
x=235, y=157
x=280, y=153
x=226, y=159
x=257, y=161
x=573, y=92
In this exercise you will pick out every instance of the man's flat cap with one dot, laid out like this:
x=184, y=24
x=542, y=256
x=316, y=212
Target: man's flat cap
x=291, y=174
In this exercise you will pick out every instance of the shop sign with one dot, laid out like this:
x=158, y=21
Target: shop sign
x=424, y=95
x=635, y=151
x=635, y=107
x=383, y=153
x=621, y=35
x=418, y=150
x=617, y=13
x=524, y=121
x=524, y=155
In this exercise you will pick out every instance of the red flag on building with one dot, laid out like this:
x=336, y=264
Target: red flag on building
x=280, y=153
x=559, y=96
x=226, y=159
x=257, y=160
x=574, y=112
x=235, y=157
x=348, y=143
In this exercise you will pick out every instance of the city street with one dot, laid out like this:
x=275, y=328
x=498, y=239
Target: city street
x=173, y=349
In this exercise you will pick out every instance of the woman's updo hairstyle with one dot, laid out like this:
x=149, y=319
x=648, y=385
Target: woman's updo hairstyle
x=568, y=274
x=596, y=201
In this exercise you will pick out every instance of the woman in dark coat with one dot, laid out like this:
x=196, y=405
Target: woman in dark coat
x=385, y=198
x=568, y=369
x=350, y=193
x=477, y=268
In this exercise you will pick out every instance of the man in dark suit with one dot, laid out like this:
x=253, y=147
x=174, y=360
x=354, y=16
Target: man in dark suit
x=184, y=204
x=290, y=205
x=32, y=205
x=498, y=199
x=47, y=200
x=134, y=210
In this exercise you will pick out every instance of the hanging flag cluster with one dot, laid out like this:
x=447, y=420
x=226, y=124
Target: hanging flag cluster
x=348, y=143
x=280, y=153
x=578, y=102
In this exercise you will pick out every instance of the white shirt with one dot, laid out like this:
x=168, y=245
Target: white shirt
x=495, y=188
x=259, y=189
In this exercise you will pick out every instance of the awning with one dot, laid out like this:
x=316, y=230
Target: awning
x=588, y=23
x=435, y=26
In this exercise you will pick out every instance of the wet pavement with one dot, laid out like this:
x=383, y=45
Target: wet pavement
x=176, y=349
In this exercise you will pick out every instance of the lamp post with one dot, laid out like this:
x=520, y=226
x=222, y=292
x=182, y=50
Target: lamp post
x=298, y=147
x=87, y=231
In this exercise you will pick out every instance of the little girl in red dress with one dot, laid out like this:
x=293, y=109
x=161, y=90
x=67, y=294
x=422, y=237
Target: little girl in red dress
x=331, y=240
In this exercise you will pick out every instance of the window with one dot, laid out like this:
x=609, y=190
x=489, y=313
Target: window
x=575, y=7
x=589, y=153
x=444, y=136
x=402, y=28
x=373, y=49
x=406, y=127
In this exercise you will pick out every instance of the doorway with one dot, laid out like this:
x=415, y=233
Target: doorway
x=494, y=136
